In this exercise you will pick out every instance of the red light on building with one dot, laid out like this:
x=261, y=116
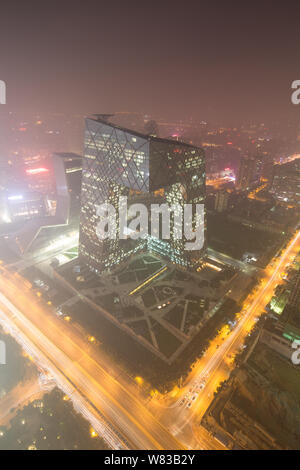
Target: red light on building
x=36, y=171
x=229, y=143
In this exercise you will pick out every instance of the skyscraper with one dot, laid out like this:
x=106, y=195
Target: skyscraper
x=286, y=182
x=244, y=175
x=146, y=169
x=221, y=201
x=250, y=172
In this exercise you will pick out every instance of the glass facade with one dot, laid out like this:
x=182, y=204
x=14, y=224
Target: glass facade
x=149, y=170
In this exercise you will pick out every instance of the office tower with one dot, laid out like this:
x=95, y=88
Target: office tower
x=73, y=169
x=250, y=172
x=245, y=172
x=26, y=206
x=267, y=168
x=146, y=169
x=151, y=127
x=40, y=211
x=221, y=201
x=41, y=178
x=291, y=313
x=259, y=162
x=286, y=182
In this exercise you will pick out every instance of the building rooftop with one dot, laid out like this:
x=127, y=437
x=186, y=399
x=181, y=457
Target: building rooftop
x=103, y=118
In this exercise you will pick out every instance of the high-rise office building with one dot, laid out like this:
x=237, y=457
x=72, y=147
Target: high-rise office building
x=250, y=172
x=73, y=169
x=291, y=313
x=40, y=212
x=245, y=172
x=286, y=182
x=221, y=201
x=146, y=169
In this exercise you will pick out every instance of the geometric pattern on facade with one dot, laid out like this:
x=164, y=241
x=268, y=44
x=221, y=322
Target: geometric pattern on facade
x=121, y=162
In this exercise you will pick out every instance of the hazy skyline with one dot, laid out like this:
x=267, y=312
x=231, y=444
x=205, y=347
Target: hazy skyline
x=222, y=61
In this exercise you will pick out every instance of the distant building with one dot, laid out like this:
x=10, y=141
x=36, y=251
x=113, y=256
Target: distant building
x=291, y=313
x=40, y=178
x=146, y=169
x=151, y=127
x=26, y=206
x=251, y=171
x=245, y=174
x=72, y=163
x=272, y=336
x=41, y=211
x=267, y=169
x=73, y=169
x=286, y=182
x=221, y=201
x=283, y=326
x=279, y=300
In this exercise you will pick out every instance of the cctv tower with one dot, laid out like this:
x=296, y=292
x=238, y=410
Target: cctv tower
x=146, y=169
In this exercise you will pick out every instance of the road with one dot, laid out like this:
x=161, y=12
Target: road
x=18, y=396
x=290, y=158
x=226, y=259
x=66, y=351
x=217, y=183
x=61, y=243
x=162, y=423
x=214, y=366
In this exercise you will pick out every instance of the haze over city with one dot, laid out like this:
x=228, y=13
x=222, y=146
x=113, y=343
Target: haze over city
x=222, y=61
x=149, y=228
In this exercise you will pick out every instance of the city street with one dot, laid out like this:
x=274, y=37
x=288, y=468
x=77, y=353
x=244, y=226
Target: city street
x=164, y=423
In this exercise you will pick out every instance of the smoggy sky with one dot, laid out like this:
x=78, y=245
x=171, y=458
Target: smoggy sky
x=222, y=60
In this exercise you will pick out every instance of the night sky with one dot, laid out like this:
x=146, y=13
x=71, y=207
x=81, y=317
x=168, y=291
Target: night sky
x=225, y=61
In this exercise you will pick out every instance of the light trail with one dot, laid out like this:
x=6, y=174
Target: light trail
x=150, y=279
x=121, y=408
x=216, y=359
x=78, y=401
x=57, y=342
